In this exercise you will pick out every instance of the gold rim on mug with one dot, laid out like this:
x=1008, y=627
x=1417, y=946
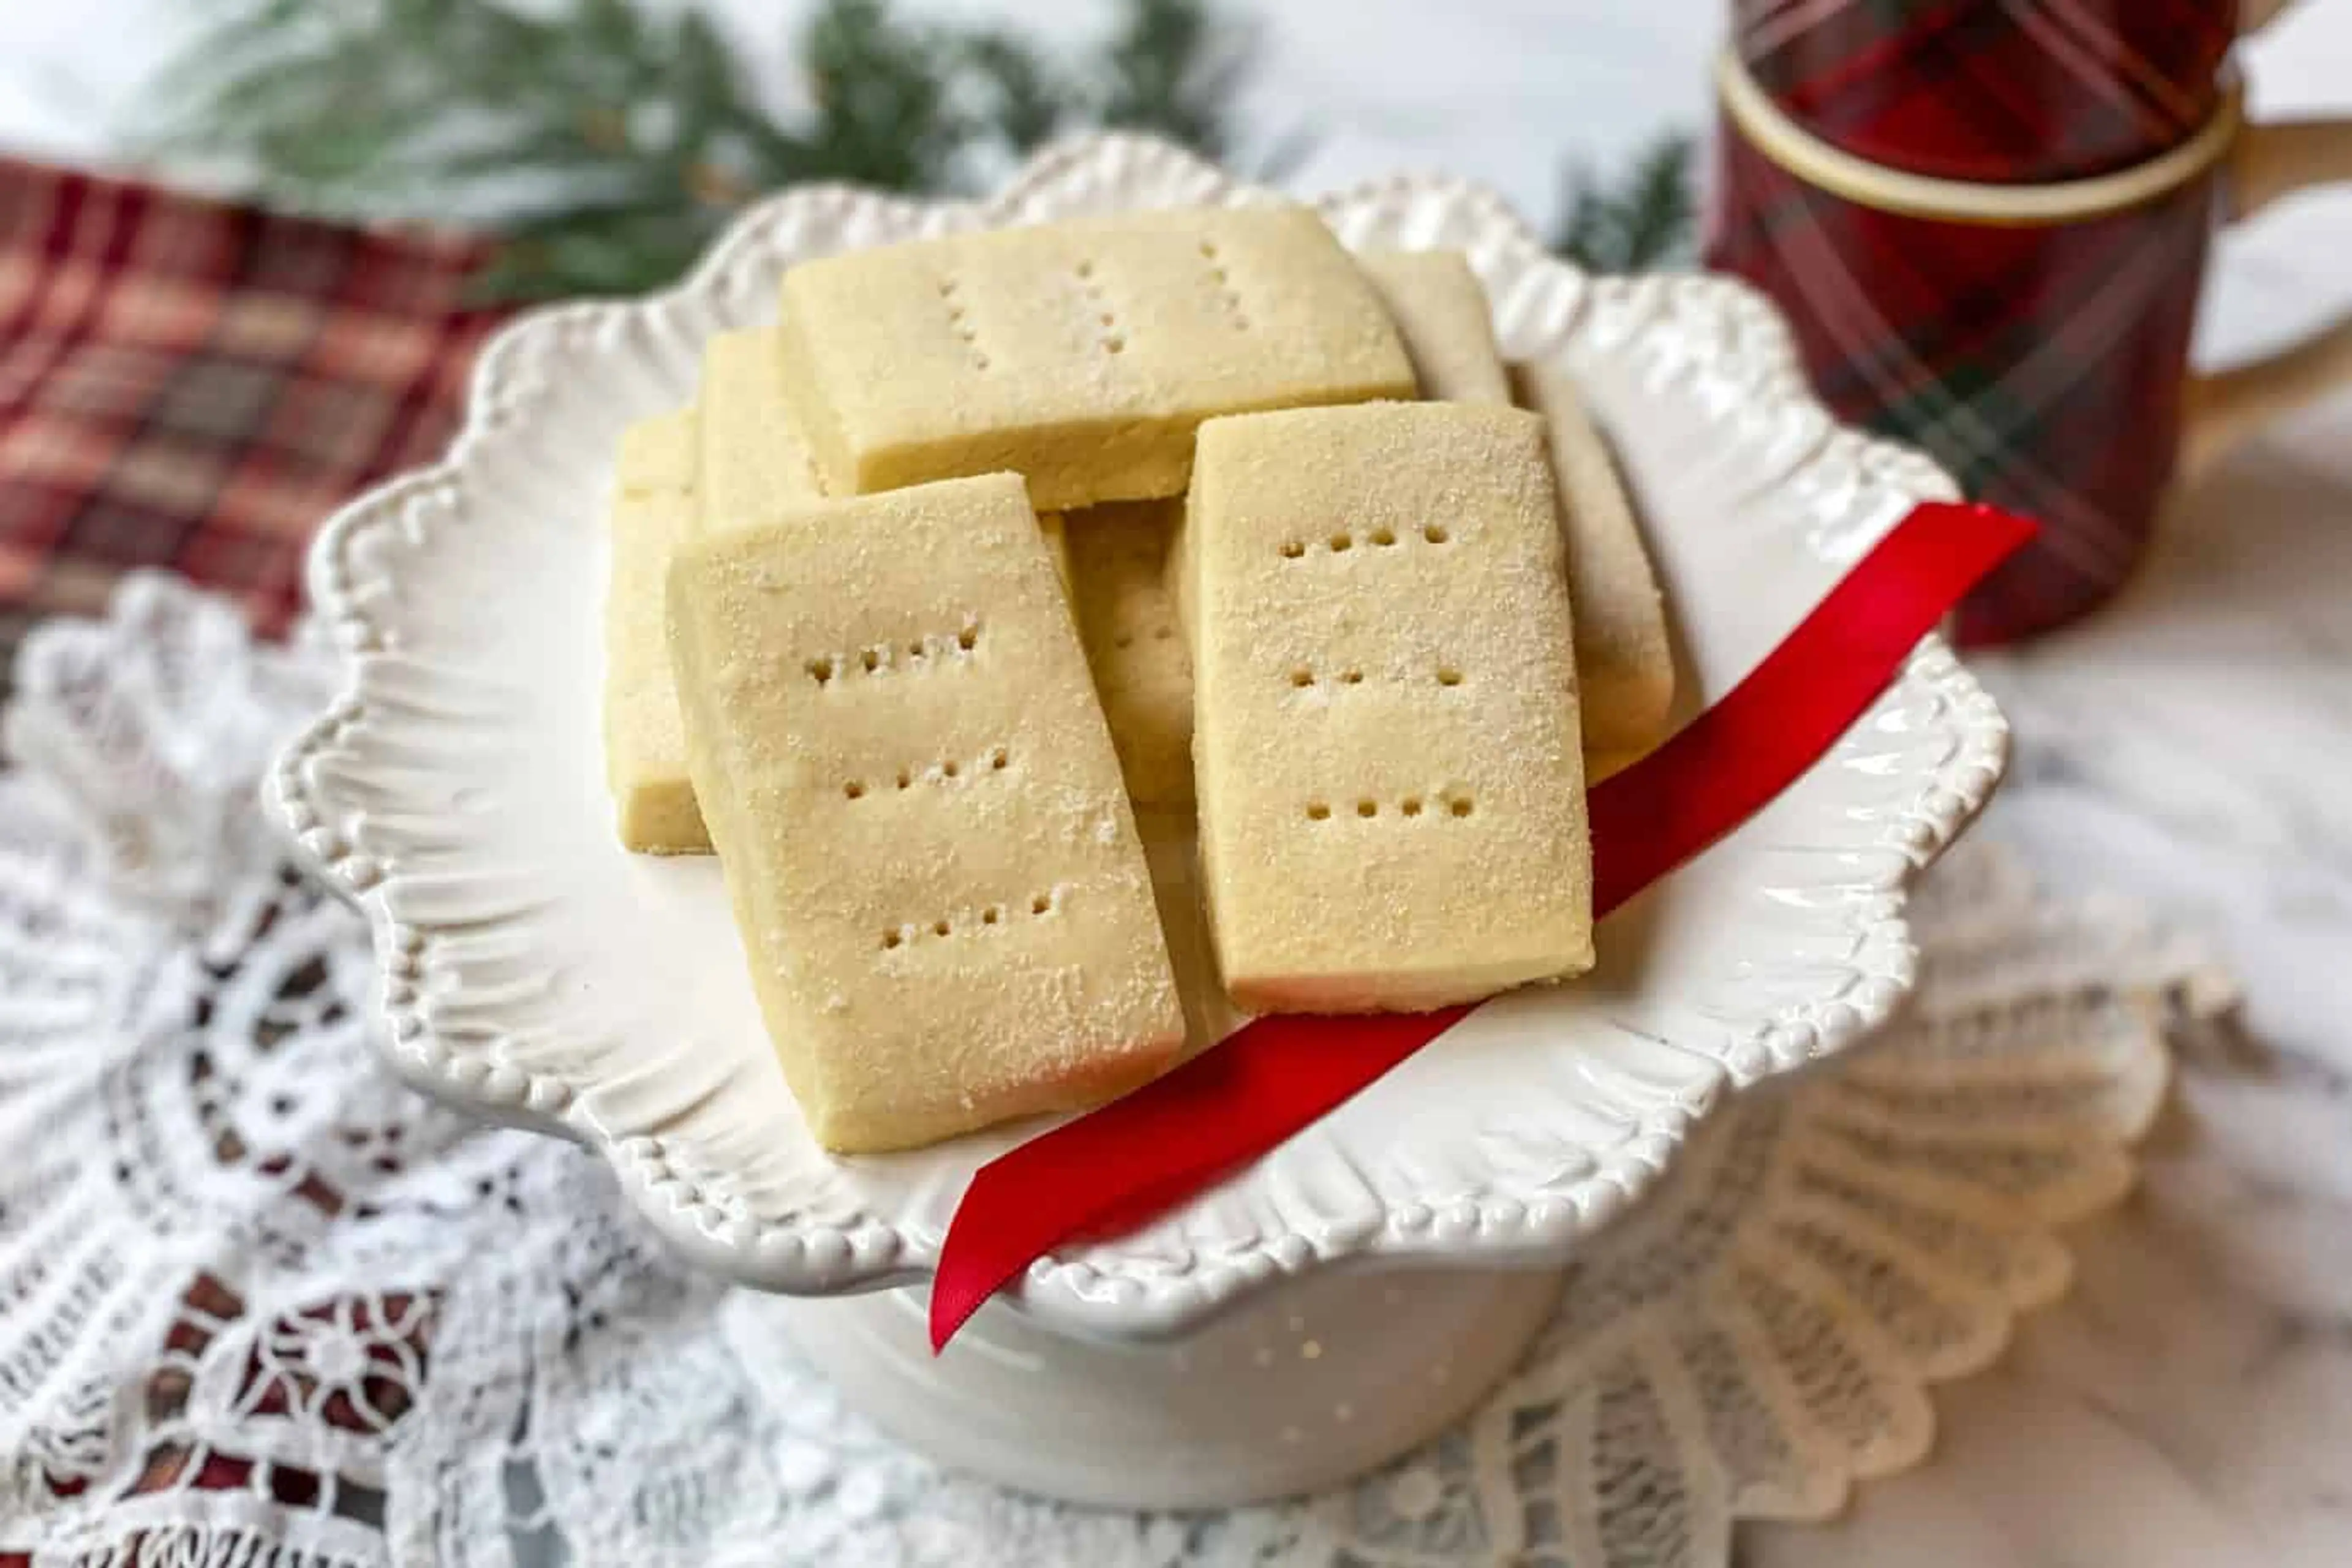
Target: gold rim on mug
x=1842, y=174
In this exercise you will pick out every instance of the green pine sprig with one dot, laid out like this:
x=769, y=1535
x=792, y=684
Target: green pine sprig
x=607, y=142
x=1642, y=220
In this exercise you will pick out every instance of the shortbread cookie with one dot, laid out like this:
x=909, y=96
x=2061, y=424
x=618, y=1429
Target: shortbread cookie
x=1390, y=787
x=731, y=463
x=908, y=781
x=644, y=748
x=1178, y=576
x=1440, y=310
x=1126, y=620
x=1082, y=354
x=659, y=454
x=754, y=463
x=1057, y=545
x=1624, y=656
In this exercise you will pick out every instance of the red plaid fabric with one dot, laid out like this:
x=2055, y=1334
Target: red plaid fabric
x=1967, y=90
x=190, y=385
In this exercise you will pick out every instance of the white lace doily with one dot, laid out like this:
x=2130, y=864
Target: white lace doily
x=258, y=1304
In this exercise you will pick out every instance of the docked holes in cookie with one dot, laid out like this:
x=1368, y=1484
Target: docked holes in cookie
x=1367, y=808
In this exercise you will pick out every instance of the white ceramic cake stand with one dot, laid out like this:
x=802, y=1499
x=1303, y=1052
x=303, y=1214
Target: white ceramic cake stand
x=1352, y=1292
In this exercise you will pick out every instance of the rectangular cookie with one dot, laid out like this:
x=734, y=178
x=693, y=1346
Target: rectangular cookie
x=908, y=782
x=729, y=462
x=1126, y=620
x=659, y=454
x=1391, y=788
x=1057, y=545
x=753, y=461
x=645, y=747
x=1081, y=354
x=1624, y=654
x=1440, y=310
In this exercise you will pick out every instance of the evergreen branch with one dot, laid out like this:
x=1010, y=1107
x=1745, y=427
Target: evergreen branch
x=882, y=98
x=608, y=141
x=536, y=121
x=1026, y=101
x=1174, y=70
x=1643, y=221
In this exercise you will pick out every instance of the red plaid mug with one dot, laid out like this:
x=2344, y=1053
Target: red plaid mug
x=2033, y=338
x=2016, y=93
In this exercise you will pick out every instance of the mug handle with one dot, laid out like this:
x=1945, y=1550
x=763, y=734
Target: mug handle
x=2253, y=16
x=2221, y=409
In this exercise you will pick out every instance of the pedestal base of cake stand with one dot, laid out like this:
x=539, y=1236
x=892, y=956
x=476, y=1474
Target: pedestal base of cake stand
x=1298, y=1389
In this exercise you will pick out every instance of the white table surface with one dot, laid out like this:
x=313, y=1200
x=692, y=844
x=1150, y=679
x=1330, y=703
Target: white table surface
x=2191, y=1404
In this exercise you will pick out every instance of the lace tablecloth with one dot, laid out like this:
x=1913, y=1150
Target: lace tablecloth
x=258, y=1303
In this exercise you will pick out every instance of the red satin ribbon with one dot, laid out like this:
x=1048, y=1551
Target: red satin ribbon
x=1118, y=1166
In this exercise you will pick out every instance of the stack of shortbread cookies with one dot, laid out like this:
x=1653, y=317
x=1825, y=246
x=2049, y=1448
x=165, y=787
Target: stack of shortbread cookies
x=996, y=540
